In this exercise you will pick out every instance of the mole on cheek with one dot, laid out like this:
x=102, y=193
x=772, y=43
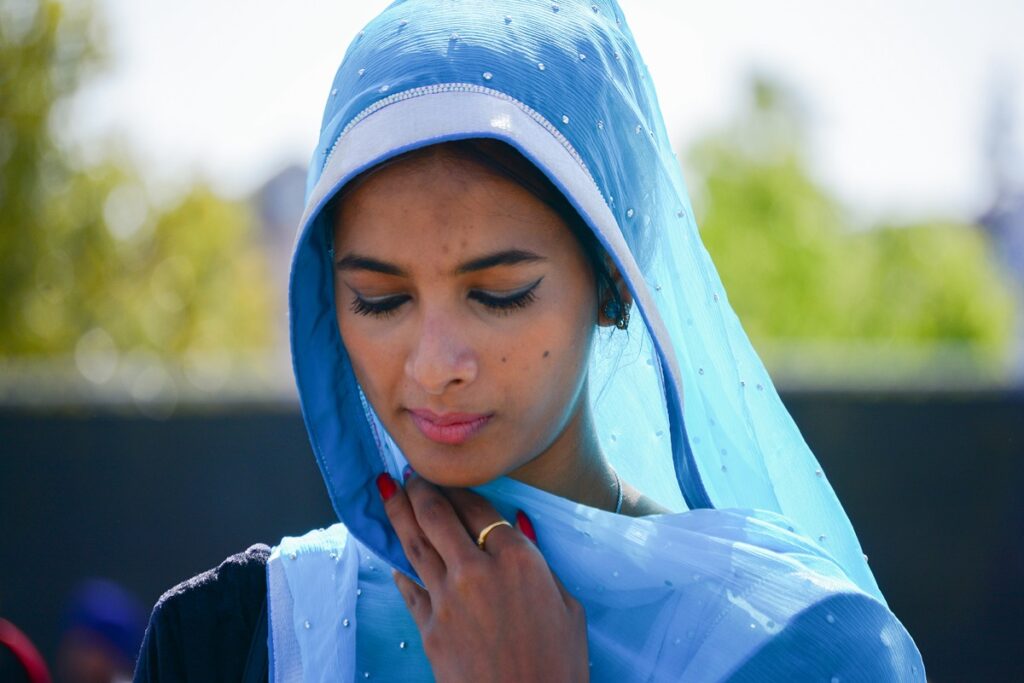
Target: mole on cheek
x=503, y=359
x=547, y=353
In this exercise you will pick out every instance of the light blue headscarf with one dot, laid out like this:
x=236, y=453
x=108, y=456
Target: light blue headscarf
x=759, y=575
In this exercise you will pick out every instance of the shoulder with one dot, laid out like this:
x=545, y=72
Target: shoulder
x=231, y=583
x=845, y=636
x=202, y=628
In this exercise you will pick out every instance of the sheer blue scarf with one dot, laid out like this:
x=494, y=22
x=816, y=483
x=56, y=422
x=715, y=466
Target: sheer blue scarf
x=758, y=574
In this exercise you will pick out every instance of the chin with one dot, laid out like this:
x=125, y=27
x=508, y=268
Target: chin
x=446, y=466
x=454, y=477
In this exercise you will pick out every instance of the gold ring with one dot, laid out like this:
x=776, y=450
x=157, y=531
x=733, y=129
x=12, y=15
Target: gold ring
x=482, y=538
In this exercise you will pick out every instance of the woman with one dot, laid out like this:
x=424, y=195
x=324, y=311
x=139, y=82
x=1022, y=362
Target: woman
x=498, y=284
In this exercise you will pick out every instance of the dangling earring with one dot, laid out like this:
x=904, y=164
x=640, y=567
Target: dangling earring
x=622, y=322
x=614, y=310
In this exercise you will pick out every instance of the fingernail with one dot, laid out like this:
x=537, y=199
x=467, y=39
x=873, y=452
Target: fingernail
x=526, y=526
x=386, y=485
x=406, y=473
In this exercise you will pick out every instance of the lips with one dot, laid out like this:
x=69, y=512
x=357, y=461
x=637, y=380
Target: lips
x=448, y=428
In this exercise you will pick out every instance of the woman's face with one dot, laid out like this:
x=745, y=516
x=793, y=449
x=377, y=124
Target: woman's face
x=468, y=308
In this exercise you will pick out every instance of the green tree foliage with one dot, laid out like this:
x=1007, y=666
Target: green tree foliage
x=796, y=269
x=85, y=256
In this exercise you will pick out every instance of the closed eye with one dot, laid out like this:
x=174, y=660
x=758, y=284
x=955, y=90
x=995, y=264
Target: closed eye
x=509, y=302
x=504, y=304
x=380, y=308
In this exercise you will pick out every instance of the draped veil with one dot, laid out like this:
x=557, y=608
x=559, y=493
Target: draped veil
x=759, y=573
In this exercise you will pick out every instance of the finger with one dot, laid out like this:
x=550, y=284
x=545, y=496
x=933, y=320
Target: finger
x=440, y=524
x=417, y=547
x=417, y=600
x=477, y=513
x=524, y=524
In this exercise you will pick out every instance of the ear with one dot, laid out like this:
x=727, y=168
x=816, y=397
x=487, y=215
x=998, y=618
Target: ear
x=625, y=296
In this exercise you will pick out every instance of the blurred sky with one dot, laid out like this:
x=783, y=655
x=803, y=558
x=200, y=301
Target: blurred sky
x=899, y=91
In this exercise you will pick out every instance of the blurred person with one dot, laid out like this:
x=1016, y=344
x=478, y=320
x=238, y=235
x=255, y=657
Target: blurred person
x=102, y=630
x=497, y=298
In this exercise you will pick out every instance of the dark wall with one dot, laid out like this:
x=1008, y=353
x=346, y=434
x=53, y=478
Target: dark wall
x=933, y=486
x=931, y=483
x=147, y=503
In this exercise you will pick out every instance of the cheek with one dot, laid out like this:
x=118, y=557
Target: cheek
x=547, y=366
x=372, y=356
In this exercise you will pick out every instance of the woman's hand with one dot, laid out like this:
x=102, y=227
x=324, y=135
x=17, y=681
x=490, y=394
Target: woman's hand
x=496, y=614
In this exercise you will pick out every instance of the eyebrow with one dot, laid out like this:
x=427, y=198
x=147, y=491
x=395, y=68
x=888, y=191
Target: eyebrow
x=509, y=257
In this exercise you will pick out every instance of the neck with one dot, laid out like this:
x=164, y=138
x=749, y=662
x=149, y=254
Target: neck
x=574, y=466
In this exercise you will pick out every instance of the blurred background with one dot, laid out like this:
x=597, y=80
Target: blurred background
x=857, y=169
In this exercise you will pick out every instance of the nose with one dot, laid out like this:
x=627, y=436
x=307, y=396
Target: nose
x=441, y=357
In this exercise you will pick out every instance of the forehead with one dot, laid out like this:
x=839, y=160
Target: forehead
x=440, y=197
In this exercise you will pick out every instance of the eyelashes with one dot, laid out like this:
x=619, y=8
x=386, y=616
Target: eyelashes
x=379, y=308
x=502, y=305
x=507, y=304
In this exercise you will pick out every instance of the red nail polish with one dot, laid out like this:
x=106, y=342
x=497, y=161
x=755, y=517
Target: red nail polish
x=386, y=485
x=526, y=526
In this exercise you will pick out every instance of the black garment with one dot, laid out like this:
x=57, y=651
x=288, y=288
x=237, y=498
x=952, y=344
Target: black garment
x=211, y=627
